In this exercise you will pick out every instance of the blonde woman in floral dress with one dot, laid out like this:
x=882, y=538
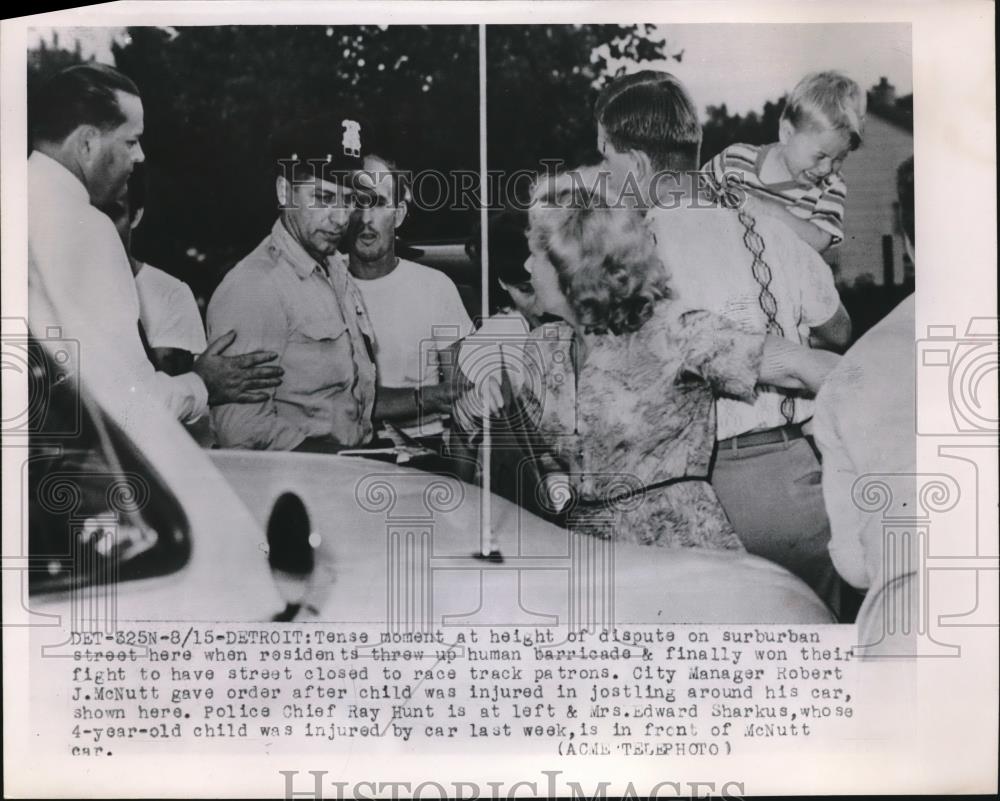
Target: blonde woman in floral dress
x=623, y=391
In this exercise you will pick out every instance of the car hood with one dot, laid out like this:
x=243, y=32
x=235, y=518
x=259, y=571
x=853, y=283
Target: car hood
x=400, y=546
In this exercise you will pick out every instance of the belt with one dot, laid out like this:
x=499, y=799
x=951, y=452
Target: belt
x=768, y=436
x=592, y=503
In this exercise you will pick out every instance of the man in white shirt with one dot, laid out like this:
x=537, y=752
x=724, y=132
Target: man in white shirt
x=169, y=313
x=756, y=272
x=415, y=311
x=171, y=322
x=86, y=122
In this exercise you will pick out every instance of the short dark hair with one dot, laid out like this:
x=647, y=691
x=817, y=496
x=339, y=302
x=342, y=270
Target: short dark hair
x=82, y=95
x=904, y=190
x=651, y=112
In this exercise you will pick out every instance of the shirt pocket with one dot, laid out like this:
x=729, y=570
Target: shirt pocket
x=319, y=357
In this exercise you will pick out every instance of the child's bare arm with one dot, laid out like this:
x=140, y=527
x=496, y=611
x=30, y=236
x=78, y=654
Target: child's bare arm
x=834, y=334
x=818, y=239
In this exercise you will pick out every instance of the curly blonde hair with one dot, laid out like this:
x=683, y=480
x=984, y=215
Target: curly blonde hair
x=603, y=253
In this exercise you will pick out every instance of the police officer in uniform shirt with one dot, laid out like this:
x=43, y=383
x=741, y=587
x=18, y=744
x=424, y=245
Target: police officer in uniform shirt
x=292, y=294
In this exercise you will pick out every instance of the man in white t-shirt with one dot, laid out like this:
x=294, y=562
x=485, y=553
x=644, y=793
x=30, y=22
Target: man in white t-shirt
x=170, y=321
x=168, y=310
x=415, y=311
x=169, y=313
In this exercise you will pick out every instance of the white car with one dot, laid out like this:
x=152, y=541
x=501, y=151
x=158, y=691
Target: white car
x=173, y=532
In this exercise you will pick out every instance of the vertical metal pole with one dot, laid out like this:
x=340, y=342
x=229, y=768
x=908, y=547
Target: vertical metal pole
x=486, y=503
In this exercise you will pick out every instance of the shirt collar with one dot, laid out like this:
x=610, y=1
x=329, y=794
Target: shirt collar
x=303, y=264
x=50, y=170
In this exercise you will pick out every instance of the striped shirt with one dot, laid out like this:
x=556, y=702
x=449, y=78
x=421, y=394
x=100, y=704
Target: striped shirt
x=822, y=204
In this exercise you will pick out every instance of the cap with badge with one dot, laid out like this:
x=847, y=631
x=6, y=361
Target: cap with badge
x=331, y=147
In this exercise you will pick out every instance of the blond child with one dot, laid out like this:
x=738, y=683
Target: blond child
x=797, y=179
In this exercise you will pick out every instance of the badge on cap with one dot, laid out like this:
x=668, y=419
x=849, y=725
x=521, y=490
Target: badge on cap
x=352, y=138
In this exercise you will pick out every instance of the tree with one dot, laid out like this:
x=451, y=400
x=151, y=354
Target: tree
x=213, y=95
x=542, y=81
x=722, y=128
x=45, y=60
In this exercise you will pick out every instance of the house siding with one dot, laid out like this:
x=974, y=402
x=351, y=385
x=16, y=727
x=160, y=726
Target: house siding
x=870, y=175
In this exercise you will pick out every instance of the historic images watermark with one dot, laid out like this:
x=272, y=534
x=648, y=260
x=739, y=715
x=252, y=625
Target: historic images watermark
x=959, y=369
x=81, y=510
x=956, y=407
x=315, y=784
x=433, y=190
x=437, y=579
x=51, y=366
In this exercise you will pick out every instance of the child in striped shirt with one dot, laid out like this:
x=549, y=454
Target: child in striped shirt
x=797, y=179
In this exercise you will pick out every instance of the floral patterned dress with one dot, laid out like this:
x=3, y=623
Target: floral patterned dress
x=640, y=411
